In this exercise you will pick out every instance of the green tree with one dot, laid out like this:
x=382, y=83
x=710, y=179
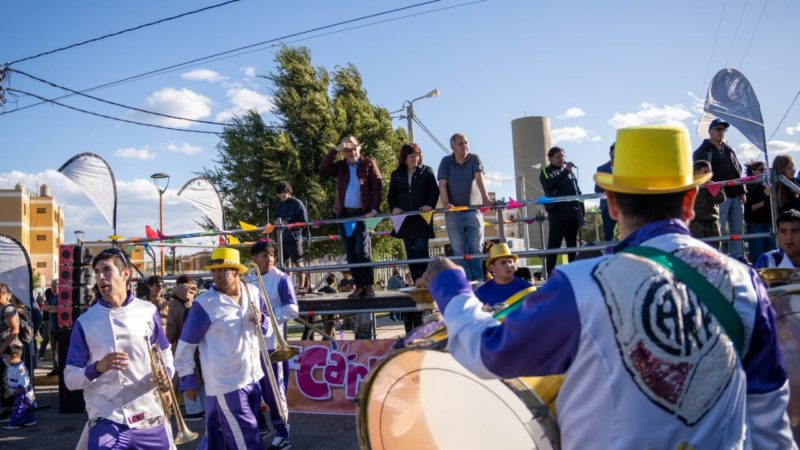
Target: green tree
x=312, y=114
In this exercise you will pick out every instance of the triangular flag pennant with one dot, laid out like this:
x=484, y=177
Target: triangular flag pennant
x=233, y=240
x=116, y=237
x=222, y=241
x=485, y=209
x=332, y=237
x=295, y=225
x=160, y=235
x=247, y=226
x=150, y=233
x=372, y=222
x=397, y=222
x=513, y=204
x=713, y=188
x=349, y=227
x=458, y=208
x=486, y=224
x=268, y=228
x=428, y=216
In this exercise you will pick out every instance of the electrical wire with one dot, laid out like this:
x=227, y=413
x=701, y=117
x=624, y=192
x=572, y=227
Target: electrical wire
x=784, y=116
x=111, y=102
x=139, y=27
x=119, y=119
x=269, y=41
x=758, y=22
x=736, y=33
x=714, y=45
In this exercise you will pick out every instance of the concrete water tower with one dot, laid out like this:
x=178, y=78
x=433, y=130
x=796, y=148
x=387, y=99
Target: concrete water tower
x=531, y=139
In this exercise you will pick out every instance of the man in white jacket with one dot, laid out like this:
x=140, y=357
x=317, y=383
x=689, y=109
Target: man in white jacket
x=108, y=359
x=221, y=324
x=281, y=296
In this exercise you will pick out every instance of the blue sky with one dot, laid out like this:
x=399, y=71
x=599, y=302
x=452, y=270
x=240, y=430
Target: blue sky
x=591, y=67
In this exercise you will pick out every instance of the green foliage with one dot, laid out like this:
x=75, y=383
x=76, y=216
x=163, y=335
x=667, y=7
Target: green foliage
x=314, y=110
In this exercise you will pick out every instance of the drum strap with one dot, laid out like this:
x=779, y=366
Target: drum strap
x=708, y=295
x=513, y=303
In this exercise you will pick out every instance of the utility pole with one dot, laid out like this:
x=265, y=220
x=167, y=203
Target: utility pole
x=410, y=119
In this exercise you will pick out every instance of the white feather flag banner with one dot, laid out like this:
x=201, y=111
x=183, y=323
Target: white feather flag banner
x=15, y=269
x=204, y=196
x=731, y=98
x=94, y=176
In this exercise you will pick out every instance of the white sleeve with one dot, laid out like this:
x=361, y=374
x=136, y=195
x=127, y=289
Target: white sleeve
x=768, y=421
x=466, y=320
x=184, y=358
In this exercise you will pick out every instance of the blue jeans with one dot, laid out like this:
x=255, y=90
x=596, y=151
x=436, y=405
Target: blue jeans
x=465, y=230
x=731, y=215
x=608, y=225
x=762, y=245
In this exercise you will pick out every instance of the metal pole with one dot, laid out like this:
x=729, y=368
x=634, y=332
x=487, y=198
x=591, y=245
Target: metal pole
x=501, y=232
x=161, y=225
x=541, y=239
x=525, y=226
x=279, y=221
x=410, y=121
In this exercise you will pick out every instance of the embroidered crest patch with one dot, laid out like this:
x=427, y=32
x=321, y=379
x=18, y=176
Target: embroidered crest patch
x=674, y=349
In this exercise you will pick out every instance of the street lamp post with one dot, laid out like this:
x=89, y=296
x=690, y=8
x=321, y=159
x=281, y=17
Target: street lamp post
x=159, y=178
x=410, y=112
x=79, y=234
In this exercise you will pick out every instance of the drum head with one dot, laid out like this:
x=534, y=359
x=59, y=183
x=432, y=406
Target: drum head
x=424, y=399
x=786, y=302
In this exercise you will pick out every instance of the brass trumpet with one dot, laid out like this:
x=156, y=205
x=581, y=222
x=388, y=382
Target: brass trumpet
x=284, y=351
x=166, y=394
x=265, y=357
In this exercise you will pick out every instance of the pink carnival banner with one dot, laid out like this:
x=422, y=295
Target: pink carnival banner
x=325, y=376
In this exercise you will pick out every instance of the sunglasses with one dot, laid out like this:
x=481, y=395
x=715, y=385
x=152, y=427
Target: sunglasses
x=113, y=251
x=721, y=129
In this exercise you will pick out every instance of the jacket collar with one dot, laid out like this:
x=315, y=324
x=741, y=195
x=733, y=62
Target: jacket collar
x=649, y=231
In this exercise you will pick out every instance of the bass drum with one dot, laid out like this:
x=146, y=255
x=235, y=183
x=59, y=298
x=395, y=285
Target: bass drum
x=786, y=303
x=423, y=399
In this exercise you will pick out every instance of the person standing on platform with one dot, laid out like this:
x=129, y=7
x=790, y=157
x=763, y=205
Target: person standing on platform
x=725, y=166
x=221, y=324
x=631, y=330
x=108, y=358
x=460, y=174
x=504, y=285
x=291, y=210
x=280, y=294
x=564, y=218
x=758, y=212
x=182, y=301
x=358, y=194
x=706, y=207
x=608, y=223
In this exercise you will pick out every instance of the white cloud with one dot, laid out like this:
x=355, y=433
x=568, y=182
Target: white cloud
x=134, y=153
x=180, y=103
x=244, y=99
x=496, y=178
x=186, y=149
x=249, y=71
x=792, y=130
x=573, y=134
x=203, y=75
x=571, y=113
x=748, y=151
x=649, y=113
x=697, y=103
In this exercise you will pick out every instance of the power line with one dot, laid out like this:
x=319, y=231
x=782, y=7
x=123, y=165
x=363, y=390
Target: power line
x=736, y=33
x=50, y=83
x=123, y=31
x=758, y=22
x=269, y=41
x=714, y=45
x=784, y=116
x=119, y=119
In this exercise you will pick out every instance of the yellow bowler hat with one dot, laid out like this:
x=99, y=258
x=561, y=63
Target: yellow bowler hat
x=654, y=159
x=226, y=258
x=498, y=251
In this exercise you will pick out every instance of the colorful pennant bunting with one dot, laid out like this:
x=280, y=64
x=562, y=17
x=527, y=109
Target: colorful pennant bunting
x=247, y=226
x=397, y=222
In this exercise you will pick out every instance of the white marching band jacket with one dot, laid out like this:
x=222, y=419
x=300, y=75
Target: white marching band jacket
x=282, y=299
x=123, y=396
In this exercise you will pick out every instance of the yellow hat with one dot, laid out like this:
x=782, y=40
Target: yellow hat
x=498, y=251
x=225, y=258
x=653, y=159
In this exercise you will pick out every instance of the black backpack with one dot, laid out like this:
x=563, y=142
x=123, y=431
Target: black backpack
x=25, y=329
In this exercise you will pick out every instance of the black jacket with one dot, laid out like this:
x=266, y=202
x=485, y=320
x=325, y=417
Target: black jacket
x=423, y=191
x=557, y=182
x=725, y=165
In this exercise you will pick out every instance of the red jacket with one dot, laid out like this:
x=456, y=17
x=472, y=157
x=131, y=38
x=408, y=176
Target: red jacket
x=369, y=177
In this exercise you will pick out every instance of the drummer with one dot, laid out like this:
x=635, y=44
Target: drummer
x=646, y=364
x=787, y=255
x=503, y=286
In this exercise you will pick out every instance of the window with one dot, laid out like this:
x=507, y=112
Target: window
x=41, y=265
x=41, y=237
x=41, y=210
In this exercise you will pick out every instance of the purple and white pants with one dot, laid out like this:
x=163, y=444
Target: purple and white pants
x=108, y=435
x=231, y=420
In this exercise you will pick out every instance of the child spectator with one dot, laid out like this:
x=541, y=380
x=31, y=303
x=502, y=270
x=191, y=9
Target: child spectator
x=706, y=207
x=19, y=384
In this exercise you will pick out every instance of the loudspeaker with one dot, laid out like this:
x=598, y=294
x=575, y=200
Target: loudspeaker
x=66, y=254
x=68, y=401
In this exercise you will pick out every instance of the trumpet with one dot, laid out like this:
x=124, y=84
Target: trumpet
x=166, y=394
x=284, y=351
x=265, y=358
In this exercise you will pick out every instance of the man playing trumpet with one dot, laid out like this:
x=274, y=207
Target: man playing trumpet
x=224, y=325
x=107, y=358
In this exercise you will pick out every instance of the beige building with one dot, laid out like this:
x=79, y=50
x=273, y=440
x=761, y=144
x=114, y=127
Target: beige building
x=37, y=222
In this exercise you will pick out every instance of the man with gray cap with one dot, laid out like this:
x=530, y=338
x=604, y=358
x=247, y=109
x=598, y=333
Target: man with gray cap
x=725, y=166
